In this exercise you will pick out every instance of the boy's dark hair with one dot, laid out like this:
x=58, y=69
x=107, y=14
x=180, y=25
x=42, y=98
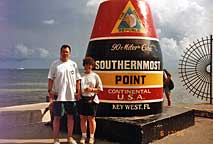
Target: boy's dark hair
x=88, y=60
x=65, y=46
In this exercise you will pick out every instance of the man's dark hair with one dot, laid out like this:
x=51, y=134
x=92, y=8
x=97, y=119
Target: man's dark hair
x=65, y=46
x=88, y=60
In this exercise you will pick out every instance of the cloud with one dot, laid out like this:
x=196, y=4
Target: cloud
x=92, y=3
x=179, y=23
x=169, y=46
x=49, y=22
x=43, y=53
x=23, y=52
x=179, y=18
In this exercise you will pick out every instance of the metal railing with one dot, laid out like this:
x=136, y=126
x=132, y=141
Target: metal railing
x=195, y=68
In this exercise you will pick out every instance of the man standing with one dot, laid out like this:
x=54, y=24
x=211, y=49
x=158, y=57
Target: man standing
x=64, y=86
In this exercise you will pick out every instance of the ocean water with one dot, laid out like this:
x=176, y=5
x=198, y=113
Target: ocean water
x=29, y=86
x=22, y=86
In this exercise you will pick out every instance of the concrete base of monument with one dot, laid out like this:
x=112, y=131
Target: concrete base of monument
x=144, y=129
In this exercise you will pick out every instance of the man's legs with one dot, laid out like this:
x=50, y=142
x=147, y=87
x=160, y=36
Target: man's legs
x=56, y=125
x=57, y=112
x=70, y=125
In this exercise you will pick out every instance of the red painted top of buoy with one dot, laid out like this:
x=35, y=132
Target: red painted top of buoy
x=117, y=18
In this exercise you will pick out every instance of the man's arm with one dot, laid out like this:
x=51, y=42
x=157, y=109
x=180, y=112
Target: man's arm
x=50, y=86
x=78, y=89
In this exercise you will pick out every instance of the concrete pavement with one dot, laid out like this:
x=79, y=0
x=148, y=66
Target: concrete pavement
x=200, y=133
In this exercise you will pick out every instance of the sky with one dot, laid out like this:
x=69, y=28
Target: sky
x=32, y=31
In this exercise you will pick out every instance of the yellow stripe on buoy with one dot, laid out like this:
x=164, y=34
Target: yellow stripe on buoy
x=131, y=78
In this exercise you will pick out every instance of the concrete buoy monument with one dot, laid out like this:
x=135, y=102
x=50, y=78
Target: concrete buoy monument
x=128, y=59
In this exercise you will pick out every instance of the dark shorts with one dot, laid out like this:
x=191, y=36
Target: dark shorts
x=60, y=108
x=87, y=108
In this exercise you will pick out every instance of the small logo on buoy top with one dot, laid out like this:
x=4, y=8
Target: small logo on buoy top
x=129, y=21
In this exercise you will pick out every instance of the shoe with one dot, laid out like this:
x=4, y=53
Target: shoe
x=71, y=140
x=56, y=141
x=82, y=140
x=91, y=141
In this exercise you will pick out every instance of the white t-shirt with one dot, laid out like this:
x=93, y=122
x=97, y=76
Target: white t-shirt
x=64, y=76
x=90, y=80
